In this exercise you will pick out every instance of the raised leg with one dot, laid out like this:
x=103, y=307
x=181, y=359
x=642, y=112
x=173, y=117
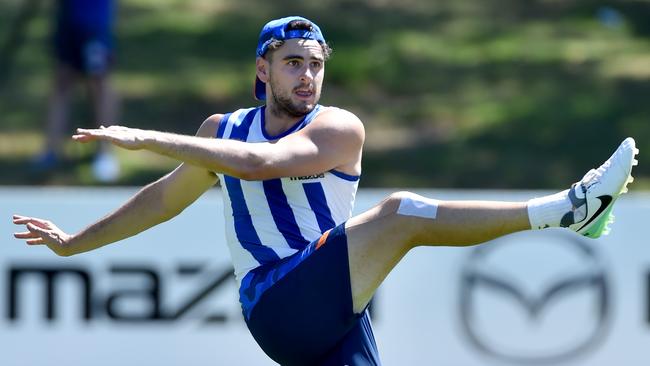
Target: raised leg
x=381, y=236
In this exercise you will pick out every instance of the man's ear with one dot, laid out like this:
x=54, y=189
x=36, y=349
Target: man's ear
x=261, y=69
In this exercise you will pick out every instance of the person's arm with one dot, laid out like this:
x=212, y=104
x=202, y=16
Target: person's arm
x=333, y=140
x=152, y=205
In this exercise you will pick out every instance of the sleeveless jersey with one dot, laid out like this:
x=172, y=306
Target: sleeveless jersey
x=272, y=219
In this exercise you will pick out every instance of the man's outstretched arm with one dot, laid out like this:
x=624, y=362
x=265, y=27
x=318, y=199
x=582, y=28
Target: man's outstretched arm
x=332, y=141
x=152, y=205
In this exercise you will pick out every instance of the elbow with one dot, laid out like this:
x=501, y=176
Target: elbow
x=249, y=174
x=161, y=206
x=167, y=215
x=254, y=168
x=256, y=174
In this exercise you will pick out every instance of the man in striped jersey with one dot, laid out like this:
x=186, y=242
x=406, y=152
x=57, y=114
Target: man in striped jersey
x=289, y=172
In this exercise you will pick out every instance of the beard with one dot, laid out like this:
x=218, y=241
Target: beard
x=282, y=104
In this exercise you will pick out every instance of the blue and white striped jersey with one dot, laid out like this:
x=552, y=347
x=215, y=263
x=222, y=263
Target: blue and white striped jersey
x=272, y=219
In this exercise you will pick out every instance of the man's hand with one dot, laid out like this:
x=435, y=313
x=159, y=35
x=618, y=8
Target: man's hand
x=43, y=232
x=128, y=138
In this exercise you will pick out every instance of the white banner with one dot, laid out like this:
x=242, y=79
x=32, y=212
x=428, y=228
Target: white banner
x=167, y=296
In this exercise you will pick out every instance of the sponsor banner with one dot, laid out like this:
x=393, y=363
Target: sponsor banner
x=168, y=297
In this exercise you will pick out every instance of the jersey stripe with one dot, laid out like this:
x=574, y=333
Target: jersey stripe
x=244, y=228
x=318, y=204
x=282, y=213
x=240, y=132
x=222, y=125
x=351, y=178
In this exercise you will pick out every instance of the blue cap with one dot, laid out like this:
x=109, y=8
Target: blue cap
x=276, y=30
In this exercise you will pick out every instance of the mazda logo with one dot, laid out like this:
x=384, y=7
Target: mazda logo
x=534, y=297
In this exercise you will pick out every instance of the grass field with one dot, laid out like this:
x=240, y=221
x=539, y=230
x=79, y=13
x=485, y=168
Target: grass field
x=470, y=93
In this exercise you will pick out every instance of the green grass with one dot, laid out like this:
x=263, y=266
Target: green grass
x=470, y=93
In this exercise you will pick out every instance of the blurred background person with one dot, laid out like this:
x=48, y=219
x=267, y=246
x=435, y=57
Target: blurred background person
x=83, y=43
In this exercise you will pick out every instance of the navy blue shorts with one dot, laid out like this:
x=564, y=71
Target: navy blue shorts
x=300, y=311
x=88, y=51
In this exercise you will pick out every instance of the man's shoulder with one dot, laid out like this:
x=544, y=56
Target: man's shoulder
x=338, y=124
x=210, y=126
x=335, y=117
x=339, y=119
x=337, y=113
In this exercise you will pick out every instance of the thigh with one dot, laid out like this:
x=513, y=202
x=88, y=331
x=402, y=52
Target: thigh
x=377, y=240
x=300, y=311
x=380, y=237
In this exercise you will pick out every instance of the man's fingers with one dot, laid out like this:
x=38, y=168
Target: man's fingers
x=100, y=130
x=24, y=220
x=83, y=138
x=102, y=133
x=86, y=135
x=35, y=234
x=37, y=241
x=20, y=219
x=39, y=231
x=85, y=131
x=25, y=235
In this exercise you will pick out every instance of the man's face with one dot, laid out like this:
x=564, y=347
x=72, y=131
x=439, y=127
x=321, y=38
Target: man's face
x=296, y=71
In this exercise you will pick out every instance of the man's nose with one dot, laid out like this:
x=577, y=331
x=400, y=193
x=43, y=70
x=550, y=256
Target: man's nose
x=306, y=75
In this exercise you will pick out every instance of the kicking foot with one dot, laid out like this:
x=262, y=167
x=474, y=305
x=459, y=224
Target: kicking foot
x=593, y=197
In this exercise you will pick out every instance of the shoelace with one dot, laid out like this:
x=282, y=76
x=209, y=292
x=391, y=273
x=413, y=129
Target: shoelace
x=592, y=176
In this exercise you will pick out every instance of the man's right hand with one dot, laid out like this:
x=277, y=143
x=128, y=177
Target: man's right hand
x=124, y=137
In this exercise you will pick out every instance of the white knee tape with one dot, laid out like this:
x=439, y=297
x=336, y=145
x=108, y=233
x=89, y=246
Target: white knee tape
x=418, y=206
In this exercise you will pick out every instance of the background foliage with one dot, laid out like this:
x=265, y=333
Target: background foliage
x=454, y=94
